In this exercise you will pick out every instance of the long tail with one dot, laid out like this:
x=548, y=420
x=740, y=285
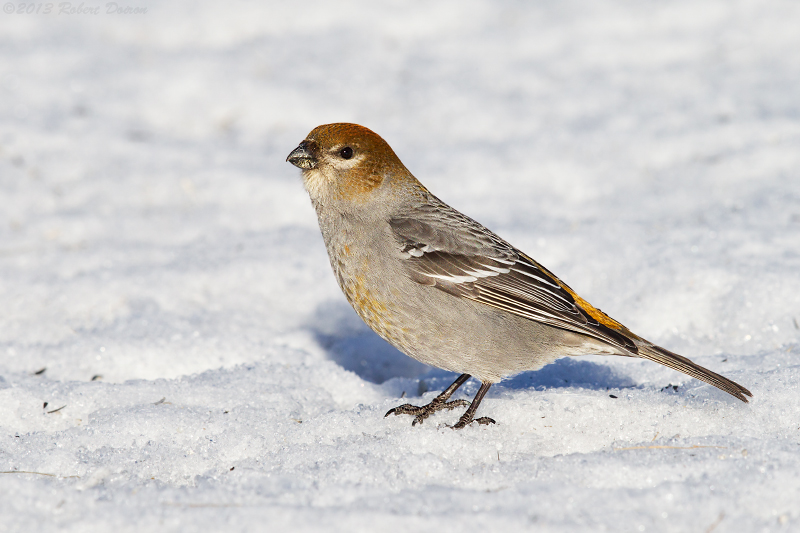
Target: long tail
x=682, y=364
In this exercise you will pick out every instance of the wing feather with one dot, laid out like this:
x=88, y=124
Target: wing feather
x=453, y=253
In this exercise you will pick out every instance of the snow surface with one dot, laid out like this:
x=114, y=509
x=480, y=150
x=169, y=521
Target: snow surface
x=160, y=262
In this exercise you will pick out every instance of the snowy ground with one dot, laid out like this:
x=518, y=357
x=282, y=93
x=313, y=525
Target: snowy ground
x=175, y=354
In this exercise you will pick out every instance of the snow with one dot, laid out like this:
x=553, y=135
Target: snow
x=160, y=262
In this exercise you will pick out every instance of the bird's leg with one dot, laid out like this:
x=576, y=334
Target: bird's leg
x=467, y=418
x=438, y=403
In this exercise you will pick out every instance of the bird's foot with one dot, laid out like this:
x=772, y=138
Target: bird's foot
x=465, y=420
x=423, y=412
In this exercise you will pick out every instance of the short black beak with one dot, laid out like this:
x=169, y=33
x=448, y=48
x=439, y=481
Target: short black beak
x=302, y=156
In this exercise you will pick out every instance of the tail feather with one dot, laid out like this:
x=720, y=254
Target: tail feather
x=682, y=364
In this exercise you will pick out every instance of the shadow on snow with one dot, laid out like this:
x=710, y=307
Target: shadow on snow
x=352, y=345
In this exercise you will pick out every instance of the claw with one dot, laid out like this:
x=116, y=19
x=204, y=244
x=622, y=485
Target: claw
x=464, y=422
x=401, y=410
x=420, y=413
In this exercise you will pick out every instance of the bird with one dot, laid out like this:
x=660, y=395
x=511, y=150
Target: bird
x=441, y=287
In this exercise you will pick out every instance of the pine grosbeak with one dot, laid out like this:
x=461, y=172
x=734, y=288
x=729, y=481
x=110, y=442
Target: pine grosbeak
x=442, y=288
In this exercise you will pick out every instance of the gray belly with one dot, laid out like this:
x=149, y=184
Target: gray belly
x=463, y=336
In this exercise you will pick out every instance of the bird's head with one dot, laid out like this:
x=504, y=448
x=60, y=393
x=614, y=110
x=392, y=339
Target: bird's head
x=346, y=162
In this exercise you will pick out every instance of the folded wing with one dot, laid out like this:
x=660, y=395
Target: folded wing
x=451, y=252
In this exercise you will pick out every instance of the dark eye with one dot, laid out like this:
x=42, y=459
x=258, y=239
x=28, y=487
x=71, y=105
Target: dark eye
x=346, y=152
